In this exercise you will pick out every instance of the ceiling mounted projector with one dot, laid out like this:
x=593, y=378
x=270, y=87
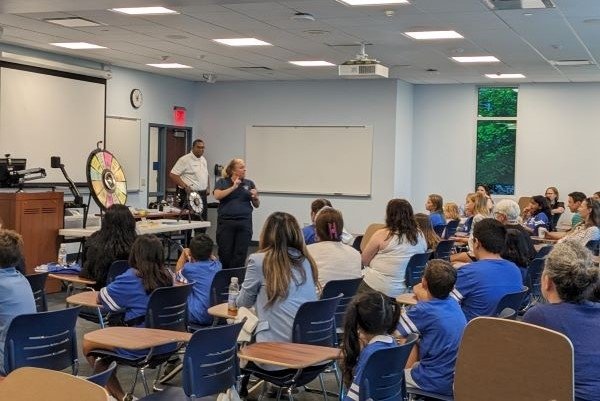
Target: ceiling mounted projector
x=362, y=67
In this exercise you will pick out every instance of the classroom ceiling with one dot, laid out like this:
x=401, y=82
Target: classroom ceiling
x=527, y=41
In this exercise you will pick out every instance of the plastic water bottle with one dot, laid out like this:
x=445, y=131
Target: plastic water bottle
x=234, y=290
x=62, y=255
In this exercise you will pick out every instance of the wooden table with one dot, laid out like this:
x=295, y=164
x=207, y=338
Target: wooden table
x=221, y=310
x=27, y=384
x=407, y=299
x=135, y=338
x=288, y=355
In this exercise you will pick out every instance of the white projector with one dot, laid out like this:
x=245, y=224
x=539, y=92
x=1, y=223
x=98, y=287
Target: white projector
x=362, y=70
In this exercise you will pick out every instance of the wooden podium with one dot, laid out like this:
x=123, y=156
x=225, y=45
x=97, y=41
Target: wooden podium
x=37, y=216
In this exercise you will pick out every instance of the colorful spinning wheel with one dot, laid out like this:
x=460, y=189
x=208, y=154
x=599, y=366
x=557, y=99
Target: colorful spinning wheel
x=106, y=179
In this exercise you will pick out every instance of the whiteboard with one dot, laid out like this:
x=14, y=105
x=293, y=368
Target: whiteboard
x=319, y=160
x=43, y=115
x=123, y=140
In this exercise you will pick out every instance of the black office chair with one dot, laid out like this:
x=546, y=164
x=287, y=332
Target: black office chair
x=37, y=281
x=167, y=310
x=415, y=268
x=42, y=340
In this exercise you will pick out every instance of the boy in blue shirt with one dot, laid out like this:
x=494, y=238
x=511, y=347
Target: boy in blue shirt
x=197, y=265
x=438, y=320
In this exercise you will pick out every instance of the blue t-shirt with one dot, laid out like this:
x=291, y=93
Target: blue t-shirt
x=440, y=324
x=437, y=219
x=377, y=343
x=537, y=221
x=237, y=205
x=127, y=294
x=581, y=324
x=16, y=299
x=310, y=235
x=201, y=273
x=480, y=285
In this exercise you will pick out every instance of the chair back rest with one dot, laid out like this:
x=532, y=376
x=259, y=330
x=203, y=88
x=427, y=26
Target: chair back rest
x=116, y=268
x=543, y=252
x=315, y=322
x=369, y=233
x=167, y=308
x=444, y=249
x=507, y=313
x=347, y=288
x=219, y=289
x=439, y=229
x=501, y=360
x=451, y=228
x=383, y=377
x=37, y=281
x=43, y=340
x=534, y=277
x=415, y=268
x=102, y=378
x=512, y=300
x=210, y=364
x=594, y=246
x=26, y=384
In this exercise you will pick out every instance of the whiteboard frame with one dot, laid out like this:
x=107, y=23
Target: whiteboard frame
x=133, y=177
x=368, y=131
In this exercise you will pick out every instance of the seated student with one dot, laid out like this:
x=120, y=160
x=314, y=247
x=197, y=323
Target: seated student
x=539, y=215
x=131, y=292
x=507, y=212
x=485, y=190
x=557, y=207
x=574, y=201
x=309, y=232
x=516, y=249
x=434, y=206
x=568, y=279
x=439, y=322
x=370, y=320
x=335, y=260
x=477, y=206
x=589, y=228
x=431, y=237
x=16, y=297
x=596, y=196
x=197, y=265
x=451, y=211
x=480, y=285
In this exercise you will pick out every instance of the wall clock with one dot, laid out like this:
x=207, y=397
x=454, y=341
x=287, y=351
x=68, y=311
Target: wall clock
x=136, y=98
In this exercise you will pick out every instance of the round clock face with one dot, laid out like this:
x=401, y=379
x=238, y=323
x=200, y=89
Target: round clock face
x=136, y=98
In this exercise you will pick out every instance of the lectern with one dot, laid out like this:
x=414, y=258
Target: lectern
x=37, y=216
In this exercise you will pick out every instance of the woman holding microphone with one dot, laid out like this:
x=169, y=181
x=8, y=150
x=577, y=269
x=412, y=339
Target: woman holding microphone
x=237, y=198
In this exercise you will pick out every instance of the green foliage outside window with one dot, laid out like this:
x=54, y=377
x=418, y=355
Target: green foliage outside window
x=496, y=140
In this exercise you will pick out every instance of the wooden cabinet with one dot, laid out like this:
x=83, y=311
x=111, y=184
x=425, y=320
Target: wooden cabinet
x=37, y=216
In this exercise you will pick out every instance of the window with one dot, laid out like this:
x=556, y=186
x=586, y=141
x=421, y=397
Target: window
x=496, y=139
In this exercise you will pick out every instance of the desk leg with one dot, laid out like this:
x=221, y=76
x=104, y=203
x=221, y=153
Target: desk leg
x=100, y=318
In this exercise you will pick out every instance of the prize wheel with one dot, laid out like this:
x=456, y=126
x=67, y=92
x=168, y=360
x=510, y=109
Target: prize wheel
x=106, y=179
x=195, y=202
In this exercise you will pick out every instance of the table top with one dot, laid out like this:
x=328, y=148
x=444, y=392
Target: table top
x=142, y=227
x=71, y=278
x=539, y=240
x=288, y=355
x=221, y=310
x=84, y=298
x=135, y=338
x=407, y=299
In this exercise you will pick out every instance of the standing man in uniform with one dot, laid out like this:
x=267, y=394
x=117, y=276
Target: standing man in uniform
x=190, y=173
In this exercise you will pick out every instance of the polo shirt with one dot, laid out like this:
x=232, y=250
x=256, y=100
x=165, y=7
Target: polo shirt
x=193, y=171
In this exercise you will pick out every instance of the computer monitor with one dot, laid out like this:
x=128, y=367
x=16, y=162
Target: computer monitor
x=7, y=166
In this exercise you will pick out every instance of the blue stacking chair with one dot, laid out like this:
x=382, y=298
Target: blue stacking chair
x=512, y=301
x=210, y=365
x=543, y=252
x=101, y=378
x=383, y=377
x=37, y=281
x=444, y=249
x=439, y=229
x=451, y=228
x=347, y=289
x=415, y=268
x=594, y=246
x=533, y=281
x=42, y=340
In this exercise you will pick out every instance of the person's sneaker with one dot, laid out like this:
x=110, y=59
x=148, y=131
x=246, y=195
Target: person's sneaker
x=171, y=370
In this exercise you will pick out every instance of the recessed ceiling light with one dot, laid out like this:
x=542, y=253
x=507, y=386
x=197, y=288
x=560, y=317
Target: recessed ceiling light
x=315, y=63
x=505, y=76
x=476, y=59
x=425, y=35
x=144, y=10
x=78, y=45
x=72, y=22
x=242, y=42
x=571, y=62
x=371, y=2
x=169, y=65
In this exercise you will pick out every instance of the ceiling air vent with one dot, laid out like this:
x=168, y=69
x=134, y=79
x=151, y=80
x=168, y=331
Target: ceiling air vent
x=518, y=4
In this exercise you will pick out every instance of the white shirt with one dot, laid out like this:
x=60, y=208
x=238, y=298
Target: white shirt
x=193, y=171
x=335, y=261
